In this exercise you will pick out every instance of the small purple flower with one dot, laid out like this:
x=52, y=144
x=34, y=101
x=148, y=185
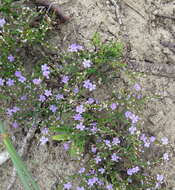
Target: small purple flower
x=107, y=142
x=10, y=82
x=53, y=108
x=9, y=112
x=113, y=106
x=87, y=63
x=82, y=170
x=11, y=58
x=101, y=170
x=132, y=129
x=160, y=178
x=77, y=117
x=80, y=188
x=65, y=79
x=97, y=159
x=75, y=90
x=22, y=79
x=15, y=124
x=80, y=126
x=80, y=109
x=87, y=84
x=152, y=139
x=42, y=98
x=116, y=141
x=94, y=129
x=2, y=82
x=45, y=131
x=36, y=81
x=137, y=87
x=164, y=140
x=18, y=74
x=90, y=101
x=165, y=156
x=2, y=22
x=23, y=97
x=75, y=48
x=59, y=96
x=132, y=171
x=147, y=144
x=15, y=109
x=93, y=149
x=115, y=158
x=109, y=187
x=43, y=140
x=45, y=67
x=92, y=181
x=48, y=93
x=46, y=74
x=67, y=186
x=66, y=146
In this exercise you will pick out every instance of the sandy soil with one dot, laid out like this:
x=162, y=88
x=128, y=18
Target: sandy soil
x=147, y=28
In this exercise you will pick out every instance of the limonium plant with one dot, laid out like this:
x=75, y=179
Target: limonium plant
x=61, y=95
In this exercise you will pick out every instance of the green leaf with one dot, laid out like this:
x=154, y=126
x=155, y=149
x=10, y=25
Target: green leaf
x=61, y=137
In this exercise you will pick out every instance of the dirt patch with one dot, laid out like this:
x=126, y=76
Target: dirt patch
x=147, y=28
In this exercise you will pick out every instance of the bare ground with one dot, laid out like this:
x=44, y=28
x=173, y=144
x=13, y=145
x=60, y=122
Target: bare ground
x=147, y=28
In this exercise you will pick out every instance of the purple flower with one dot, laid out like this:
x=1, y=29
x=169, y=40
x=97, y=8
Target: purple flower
x=59, y=96
x=53, y=108
x=36, y=81
x=15, y=124
x=75, y=48
x=116, y=141
x=45, y=131
x=152, y=139
x=22, y=79
x=66, y=146
x=2, y=82
x=137, y=87
x=80, y=126
x=160, y=178
x=92, y=181
x=48, y=93
x=93, y=149
x=82, y=170
x=75, y=90
x=97, y=159
x=87, y=63
x=67, y=186
x=134, y=118
x=80, y=188
x=45, y=67
x=90, y=101
x=2, y=22
x=46, y=70
x=80, y=109
x=132, y=171
x=77, y=117
x=94, y=129
x=164, y=140
x=9, y=112
x=43, y=140
x=108, y=143
x=10, y=82
x=65, y=79
x=109, y=187
x=166, y=156
x=87, y=84
x=101, y=170
x=46, y=74
x=115, y=158
x=18, y=74
x=132, y=129
x=42, y=98
x=11, y=58
x=113, y=106
x=15, y=109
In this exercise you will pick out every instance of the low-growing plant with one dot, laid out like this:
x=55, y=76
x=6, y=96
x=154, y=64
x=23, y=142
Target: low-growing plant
x=62, y=94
